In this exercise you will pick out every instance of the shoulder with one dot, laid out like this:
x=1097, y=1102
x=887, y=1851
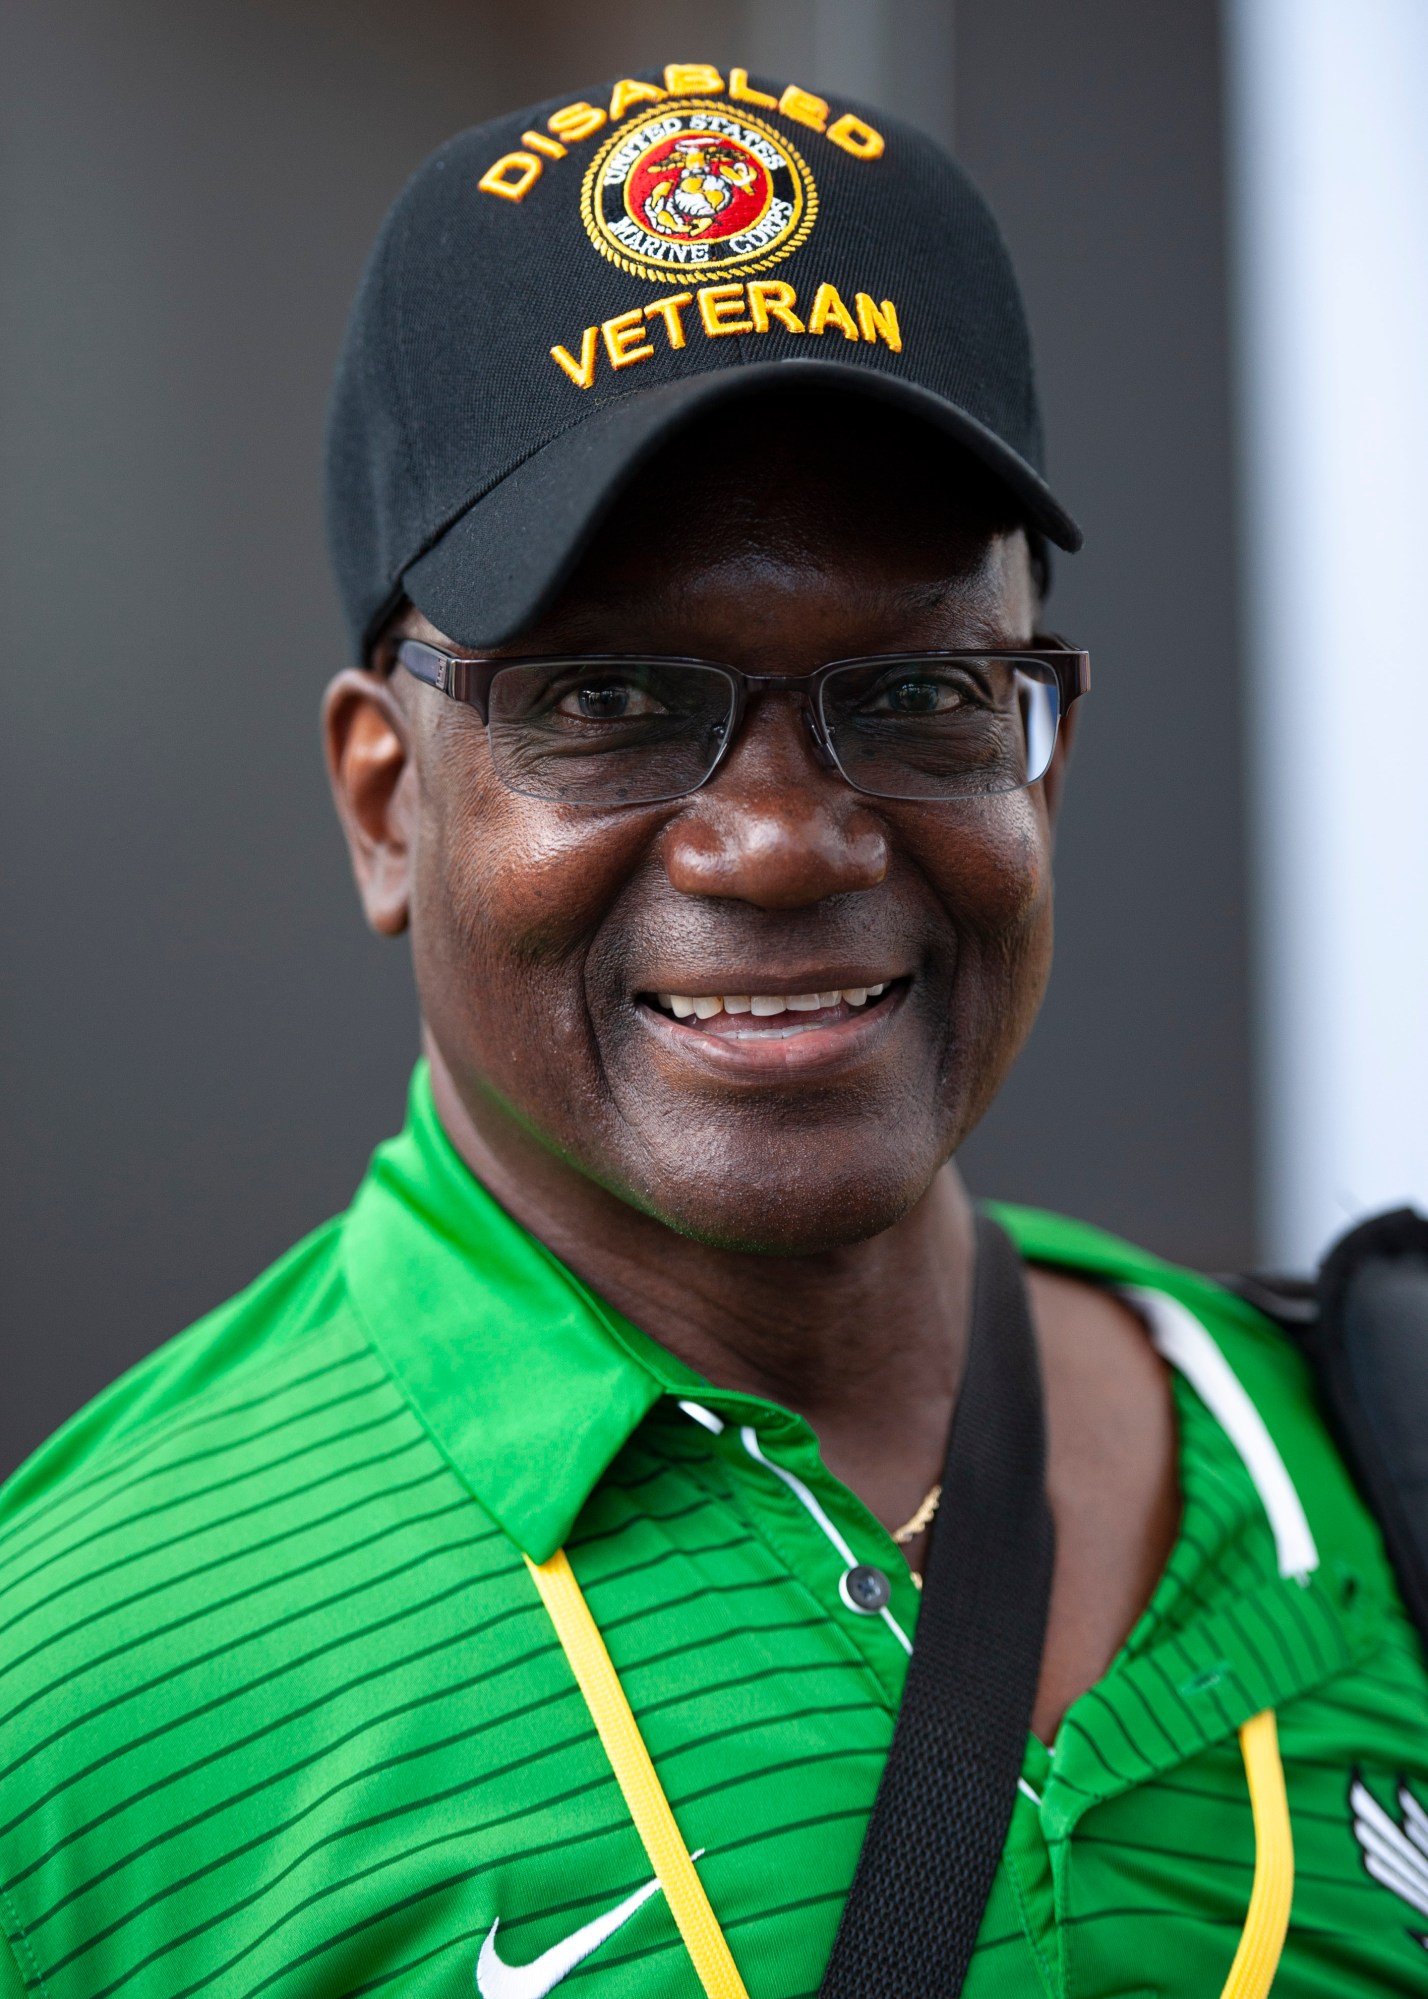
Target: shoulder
x=208, y=1373
x=1255, y=1353
x=130, y=1517
x=250, y=1523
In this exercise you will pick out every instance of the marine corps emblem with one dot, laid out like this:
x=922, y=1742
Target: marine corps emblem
x=696, y=188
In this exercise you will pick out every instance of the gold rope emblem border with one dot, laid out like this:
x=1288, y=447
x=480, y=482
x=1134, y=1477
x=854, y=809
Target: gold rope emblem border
x=683, y=274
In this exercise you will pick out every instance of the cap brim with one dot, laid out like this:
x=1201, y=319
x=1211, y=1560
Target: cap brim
x=498, y=564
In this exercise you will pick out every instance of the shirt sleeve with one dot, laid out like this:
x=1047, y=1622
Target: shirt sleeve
x=12, y=1985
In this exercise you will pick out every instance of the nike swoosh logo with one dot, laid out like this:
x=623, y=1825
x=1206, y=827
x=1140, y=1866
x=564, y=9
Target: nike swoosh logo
x=498, y=1980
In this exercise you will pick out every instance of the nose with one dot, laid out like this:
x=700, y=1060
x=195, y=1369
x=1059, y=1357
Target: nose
x=775, y=828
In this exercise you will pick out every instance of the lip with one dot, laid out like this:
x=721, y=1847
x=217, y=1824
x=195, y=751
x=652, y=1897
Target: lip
x=817, y=1051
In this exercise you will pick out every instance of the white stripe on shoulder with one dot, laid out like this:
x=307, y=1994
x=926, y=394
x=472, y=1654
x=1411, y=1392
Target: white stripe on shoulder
x=712, y=1423
x=1179, y=1337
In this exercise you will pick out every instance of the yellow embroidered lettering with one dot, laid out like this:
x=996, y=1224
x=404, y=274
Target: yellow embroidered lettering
x=539, y=143
x=717, y=306
x=576, y=121
x=879, y=319
x=512, y=177
x=669, y=309
x=770, y=299
x=625, y=341
x=856, y=138
x=629, y=90
x=804, y=106
x=692, y=79
x=829, y=310
x=581, y=372
x=739, y=88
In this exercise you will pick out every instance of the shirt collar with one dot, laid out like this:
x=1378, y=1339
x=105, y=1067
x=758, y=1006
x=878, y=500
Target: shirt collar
x=529, y=1383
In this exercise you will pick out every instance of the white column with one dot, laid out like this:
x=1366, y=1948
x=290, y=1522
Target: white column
x=1328, y=103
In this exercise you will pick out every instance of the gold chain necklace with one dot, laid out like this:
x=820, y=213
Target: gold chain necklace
x=920, y=1520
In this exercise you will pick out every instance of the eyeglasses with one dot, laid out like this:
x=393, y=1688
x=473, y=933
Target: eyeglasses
x=615, y=730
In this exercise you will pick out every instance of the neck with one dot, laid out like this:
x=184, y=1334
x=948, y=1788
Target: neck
x=864, y=1340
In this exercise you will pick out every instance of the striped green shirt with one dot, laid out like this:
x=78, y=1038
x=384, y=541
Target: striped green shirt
x=281, y=1710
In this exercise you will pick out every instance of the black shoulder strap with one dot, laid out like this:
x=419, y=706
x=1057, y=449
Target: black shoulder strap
x=1364, y=1328
x=940, y=1820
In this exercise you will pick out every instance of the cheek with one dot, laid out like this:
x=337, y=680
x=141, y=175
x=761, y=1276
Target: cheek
x=1009, y=962
x=990, y=865
x=509, y=892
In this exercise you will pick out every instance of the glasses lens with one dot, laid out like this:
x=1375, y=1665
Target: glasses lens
x=942, y=726
x=608, y=731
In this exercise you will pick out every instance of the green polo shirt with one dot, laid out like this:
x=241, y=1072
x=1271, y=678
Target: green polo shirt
x=281, y=1710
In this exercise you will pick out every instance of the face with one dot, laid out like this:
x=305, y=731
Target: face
x=548, y=938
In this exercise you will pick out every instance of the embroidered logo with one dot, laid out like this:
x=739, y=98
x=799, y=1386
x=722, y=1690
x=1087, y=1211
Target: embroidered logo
x=696, y=189
x=495, y=1979
x=1394, y=1853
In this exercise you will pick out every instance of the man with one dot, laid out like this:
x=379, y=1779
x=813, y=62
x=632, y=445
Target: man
x=516, y=1586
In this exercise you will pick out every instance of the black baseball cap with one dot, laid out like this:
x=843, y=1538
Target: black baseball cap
x=556, y=293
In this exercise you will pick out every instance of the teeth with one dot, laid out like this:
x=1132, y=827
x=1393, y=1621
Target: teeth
x=704, y=1006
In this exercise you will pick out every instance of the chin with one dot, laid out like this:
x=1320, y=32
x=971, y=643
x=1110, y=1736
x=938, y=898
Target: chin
x=766, y=1210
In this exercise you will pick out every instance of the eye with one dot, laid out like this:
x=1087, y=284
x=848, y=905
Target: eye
x=918, y=694
x=608, y=701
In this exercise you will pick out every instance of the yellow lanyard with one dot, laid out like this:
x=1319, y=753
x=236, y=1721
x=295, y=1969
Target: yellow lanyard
x=1266, y=1922
x=635, y=1774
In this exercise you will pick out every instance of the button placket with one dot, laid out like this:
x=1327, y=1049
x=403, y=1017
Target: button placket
x=857, y=1594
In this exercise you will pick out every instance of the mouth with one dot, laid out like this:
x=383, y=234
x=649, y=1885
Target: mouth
x=762, y=1019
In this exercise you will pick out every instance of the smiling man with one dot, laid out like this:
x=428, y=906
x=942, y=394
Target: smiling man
x=522, y=1584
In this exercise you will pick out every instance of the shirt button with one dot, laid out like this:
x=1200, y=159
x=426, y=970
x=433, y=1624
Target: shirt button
x=865, y=1589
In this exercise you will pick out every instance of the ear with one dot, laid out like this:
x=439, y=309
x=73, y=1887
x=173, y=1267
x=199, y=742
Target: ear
x=1053, y=784
x=368, y=744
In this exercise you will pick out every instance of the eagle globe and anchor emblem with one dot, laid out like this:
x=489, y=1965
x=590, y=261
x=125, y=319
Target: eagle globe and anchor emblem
x=697, y=189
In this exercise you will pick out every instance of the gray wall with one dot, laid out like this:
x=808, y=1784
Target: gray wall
x=1095, y=130
x=200, y=1043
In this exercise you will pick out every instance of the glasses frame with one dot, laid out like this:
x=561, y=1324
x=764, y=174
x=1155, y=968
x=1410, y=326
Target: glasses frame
x=468, y=681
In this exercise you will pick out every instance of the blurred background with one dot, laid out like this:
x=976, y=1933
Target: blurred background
x=1217, y=214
